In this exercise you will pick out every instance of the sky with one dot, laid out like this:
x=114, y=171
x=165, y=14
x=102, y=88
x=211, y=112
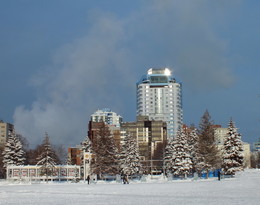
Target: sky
x=61, y=60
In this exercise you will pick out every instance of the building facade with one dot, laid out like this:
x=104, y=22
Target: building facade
x=107, y=116
x=256, y=146
x=159, y=96
x=94, y=127
x=151, y=137
x=5, y=130
x=75, y=155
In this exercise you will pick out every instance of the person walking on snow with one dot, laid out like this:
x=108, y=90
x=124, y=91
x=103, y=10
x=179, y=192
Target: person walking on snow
x=88, y=179
x=219, y=175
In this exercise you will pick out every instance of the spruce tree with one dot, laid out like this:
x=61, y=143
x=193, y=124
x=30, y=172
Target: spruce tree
x=46, y=158
x=69, y=161
x=233, y=151
x=130, y=163
x=168, y=156
x=192, y=138
x=2, y=169
x=207, y=153
x=106, y=153
x=86, y=145
x=13, y=153
x=182, y=164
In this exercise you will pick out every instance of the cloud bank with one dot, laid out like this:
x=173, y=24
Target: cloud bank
x=101, y=68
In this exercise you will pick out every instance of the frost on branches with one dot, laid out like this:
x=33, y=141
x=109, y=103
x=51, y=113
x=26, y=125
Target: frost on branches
x=168, y=156
x=177, y=157
x=182, y=164
x=129, y=157
x=192, y=138
x=13, y=153
x=86, y=146
x=106, y=153
x=46, y=159
x=233, y=151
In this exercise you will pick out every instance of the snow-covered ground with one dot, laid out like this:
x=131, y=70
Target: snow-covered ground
x=243, y=189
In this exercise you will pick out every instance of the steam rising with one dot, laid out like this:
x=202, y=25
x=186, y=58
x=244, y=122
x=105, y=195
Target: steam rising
x=101, y=68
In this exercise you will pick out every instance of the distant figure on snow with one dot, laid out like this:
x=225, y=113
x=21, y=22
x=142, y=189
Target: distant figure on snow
x=125, y=179
x=88, y=179
x=219, y=175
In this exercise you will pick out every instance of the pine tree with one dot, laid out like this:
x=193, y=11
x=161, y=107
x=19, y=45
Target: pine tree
x=86, y=145
x=68, y=161
x=106, y=153
x=13, y=153
x=130, y=163
x=46, y=158
x=168, y=156
x=192, y=139
x=233, y=151
x=207, y=154
x=2, y=169
x=182, y=164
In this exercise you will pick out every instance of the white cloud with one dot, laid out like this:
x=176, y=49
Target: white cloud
x=84, y=76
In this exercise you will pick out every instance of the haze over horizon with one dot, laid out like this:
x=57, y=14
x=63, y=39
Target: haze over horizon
x=61, y=60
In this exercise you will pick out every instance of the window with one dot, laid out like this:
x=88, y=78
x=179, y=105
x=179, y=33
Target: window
x=159, y=79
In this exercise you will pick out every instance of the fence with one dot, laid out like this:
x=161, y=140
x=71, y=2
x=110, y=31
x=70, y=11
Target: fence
x=33, y=172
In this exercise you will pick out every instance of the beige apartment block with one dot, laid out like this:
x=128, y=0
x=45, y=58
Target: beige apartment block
x=5, y=130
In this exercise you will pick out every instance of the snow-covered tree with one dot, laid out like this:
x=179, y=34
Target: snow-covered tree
x=192, y=139
x=207, y=153
x=13, y=153
x=2, y=169
x=46, y=158
x=233, y=157
x=86, y=145
x=168, y=156
x=182, y=164
x=129, y=157
x=106, y=153
x=68, y=160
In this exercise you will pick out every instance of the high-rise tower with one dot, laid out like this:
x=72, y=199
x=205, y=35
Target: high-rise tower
x=159, y=97
x=107, y=116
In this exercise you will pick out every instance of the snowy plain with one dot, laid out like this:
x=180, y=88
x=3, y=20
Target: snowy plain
x=243, y=189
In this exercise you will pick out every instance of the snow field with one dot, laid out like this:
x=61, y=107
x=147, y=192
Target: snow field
x=243, y=189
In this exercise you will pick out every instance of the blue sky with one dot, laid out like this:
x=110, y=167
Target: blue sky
x=61, y=60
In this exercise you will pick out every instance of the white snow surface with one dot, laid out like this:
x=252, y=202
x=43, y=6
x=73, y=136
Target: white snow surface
x=243, y=189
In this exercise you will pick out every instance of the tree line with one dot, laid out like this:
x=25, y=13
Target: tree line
x=16, y=152
x=192, y=150
x=196, y=150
